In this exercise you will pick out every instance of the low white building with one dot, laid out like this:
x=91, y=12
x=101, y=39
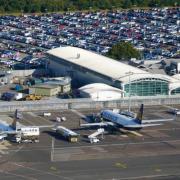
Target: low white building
x=100, y=92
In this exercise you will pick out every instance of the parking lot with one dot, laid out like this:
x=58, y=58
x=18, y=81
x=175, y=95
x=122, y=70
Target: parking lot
x=24, y=38
x=155, y=150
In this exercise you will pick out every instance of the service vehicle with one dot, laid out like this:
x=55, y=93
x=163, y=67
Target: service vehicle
x=33, y=97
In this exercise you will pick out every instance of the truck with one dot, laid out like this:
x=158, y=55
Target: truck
x=68, y=134
x=25, y=139
x=9, y=96
x=26, y=135
x=32, y=97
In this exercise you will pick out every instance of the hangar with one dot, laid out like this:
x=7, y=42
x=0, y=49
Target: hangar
x=87, y=67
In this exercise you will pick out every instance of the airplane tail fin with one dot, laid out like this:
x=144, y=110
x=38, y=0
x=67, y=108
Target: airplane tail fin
x=139, y=116
x=16, y=114
x=14, y=124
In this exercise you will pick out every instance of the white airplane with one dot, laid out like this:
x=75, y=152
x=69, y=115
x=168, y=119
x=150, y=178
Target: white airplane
x=118, y=120
x=18, y=129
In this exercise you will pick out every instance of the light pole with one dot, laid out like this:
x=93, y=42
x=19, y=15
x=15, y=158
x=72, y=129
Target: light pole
x=52, y=150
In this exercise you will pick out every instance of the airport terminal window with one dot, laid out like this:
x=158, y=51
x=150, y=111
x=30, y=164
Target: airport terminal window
x=175, y=91
x=147, y=87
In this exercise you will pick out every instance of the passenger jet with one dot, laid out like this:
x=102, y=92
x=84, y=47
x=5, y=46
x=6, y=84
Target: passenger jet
x=122, y=121
x=17, y=128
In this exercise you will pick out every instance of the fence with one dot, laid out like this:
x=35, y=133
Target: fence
x=64, y=104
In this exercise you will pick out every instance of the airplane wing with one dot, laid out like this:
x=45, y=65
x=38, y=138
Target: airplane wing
x=157, y=120
x=98, y=124
x=94, y=124
x=45, y=126
x=140, y=125
x=8, y=132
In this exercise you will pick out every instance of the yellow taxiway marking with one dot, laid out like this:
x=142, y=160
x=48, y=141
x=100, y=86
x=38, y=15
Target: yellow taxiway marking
x=131, y=132
x=121, y=165
x=124, y=135
x=136, y=133
x=158, y=170
x=53, y=168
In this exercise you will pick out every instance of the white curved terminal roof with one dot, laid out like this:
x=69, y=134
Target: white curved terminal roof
x=101, y=92
x=94, y=87
x=103, y=65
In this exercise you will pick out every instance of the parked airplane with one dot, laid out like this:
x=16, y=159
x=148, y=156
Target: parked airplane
x=118, y=120
x=20, y=132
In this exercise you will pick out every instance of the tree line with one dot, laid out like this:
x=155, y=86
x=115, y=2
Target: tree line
x=123, y=51
x=33, y=6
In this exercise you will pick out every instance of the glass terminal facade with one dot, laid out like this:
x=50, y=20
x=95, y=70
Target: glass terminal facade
x=175, y=91
x=147, y=87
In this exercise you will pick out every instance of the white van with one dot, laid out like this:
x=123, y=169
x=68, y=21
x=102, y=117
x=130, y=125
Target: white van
x=47, y=114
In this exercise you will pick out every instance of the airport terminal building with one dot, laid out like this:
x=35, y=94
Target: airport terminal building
x=86, y=67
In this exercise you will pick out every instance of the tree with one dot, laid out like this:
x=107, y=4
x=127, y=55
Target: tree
x=127, y=4
x=1, y=9
x=58, y=5
x=123, y=51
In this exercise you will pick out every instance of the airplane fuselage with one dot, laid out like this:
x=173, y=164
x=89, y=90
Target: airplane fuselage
x=118, y=119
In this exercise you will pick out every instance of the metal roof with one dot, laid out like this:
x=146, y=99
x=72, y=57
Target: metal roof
x=98, y=87
x=103, y=65
x=45, y=86
x=101, y=92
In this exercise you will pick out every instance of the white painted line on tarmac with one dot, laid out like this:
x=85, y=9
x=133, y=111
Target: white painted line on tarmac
x=3, y=152
x=146, y=177
x=27, y=121
x=122, y=144
x=3, y=147
x=44, y=119
x=32, y=114
x=162, y=129
x=78, y=113
x=17, y=175
x=41, y=171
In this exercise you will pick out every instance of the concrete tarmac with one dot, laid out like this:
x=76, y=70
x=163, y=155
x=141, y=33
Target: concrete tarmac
x=154, y=154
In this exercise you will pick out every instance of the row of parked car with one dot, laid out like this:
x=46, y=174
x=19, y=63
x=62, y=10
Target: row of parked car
x=155, y=32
